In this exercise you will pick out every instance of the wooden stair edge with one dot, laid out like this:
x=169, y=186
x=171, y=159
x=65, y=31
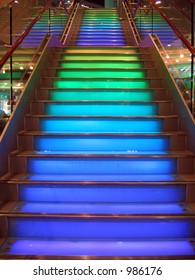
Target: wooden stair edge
x=32, y=215
x=32, y=153
x=4, y=256
x=22, y=178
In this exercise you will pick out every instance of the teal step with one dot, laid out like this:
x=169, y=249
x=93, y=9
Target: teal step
x=100, y=109
x=102, y=83
x=101, y=95
x=85, y=73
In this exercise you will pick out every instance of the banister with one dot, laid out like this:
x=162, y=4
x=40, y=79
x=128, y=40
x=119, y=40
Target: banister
x=66, y=9
x=7, y=4
x=179, y=34
x=23, y=35
x=71, y=5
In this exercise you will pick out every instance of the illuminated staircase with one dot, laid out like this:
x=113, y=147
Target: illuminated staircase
x=153, y=23
x=102, y=168
x=42, y=27
x=100, y=27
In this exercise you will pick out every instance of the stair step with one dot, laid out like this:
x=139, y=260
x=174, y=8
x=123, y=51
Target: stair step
x=101, y=73
x=101, y=108
x=100, y=56
x=104, y=178
x=100, y=29
x=105, y=64
x=106, y=208
x=20, y=248
x=103, y=37
x=125, y=50
x=101, y=144
x=100, y=43
x=102, y=83
x=107, y=109
x=102, y=154
x=103, y=94
x=101, y=227
x=114, y=192
x=102, y=124
x=101, y=165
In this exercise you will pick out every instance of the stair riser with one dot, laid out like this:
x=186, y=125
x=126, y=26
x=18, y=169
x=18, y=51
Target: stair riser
x=120, y=95
x=117, y=73
x=63, y=249
x=101, y=125
x=129, y=145
x=101, y=65
x=101, y=43
x=101, y=166
x=101, y=57
x=85, y=73
x=101, y=109
x=100, y=228
x=101, y=83
x=103, y=51
x=102, y=193
x=102, y=143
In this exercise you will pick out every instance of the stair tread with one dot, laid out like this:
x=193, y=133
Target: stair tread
x=102, y=154
x=126, y=69
x=86, y=249
x=100, y=101
x=103, y=117
x=90, y=178
x=102, y=89
x=102, y=134
x=103, y=79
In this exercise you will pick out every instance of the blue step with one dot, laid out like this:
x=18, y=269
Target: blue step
x=102, y=125
x=72, y=248
x=102, y=166
x=100, y=208
x=102, y=193
x=102, y=144
x=100, y=228
x=100, y=109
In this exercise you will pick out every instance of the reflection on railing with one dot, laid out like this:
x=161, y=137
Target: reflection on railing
x=177, y=50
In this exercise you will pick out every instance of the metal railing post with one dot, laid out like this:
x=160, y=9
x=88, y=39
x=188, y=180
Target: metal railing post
x=11, y=58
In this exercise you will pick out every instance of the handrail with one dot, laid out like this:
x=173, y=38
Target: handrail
x=179, y=34
x=66, y=9
x=7, y=4
x=23, y=35
x=128, y=12
x=71, y=5
x=69, y=23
